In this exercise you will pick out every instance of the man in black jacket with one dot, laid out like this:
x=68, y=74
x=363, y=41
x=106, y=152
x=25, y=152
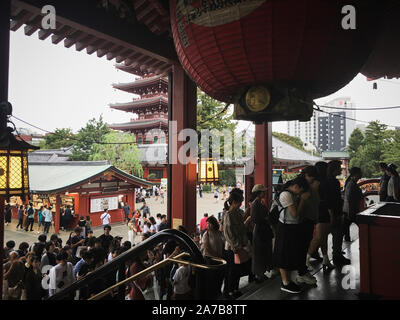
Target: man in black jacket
x=335, y=208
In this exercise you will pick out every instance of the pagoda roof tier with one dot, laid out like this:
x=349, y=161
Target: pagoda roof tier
x=140, y=124
x=141, y=103
x=145, y=85
x=141, y=70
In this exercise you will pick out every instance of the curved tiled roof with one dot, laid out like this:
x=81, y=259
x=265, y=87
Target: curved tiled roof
x=140, y=103
x=145, y=123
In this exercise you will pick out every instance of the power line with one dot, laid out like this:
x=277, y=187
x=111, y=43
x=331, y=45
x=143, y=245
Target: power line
x=71, y=138
x=367, y=109
x=345, y=117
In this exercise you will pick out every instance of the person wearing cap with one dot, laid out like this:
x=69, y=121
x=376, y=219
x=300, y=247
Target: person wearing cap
x=262, y=234
x=393, y=184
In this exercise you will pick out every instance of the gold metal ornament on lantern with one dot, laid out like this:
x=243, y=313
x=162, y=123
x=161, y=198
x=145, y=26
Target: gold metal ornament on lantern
x=257, y=98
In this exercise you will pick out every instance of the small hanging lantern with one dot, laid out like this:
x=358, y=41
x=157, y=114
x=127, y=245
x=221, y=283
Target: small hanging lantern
x=208, y=170
x=14, y=174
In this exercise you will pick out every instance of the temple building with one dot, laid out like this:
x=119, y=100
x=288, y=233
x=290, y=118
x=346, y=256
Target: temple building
x=150, y=124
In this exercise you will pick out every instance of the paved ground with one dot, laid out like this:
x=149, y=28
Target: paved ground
x=205, y=204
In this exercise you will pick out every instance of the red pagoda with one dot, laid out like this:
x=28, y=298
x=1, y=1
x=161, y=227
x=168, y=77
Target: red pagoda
x=151, y=125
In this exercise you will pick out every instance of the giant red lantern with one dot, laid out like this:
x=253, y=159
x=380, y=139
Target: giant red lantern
x=384, y=60
x=272, y=57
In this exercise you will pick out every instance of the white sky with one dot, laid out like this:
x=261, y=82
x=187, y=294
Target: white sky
x=54, y=87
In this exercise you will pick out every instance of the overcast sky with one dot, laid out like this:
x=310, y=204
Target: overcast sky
x=55, y=87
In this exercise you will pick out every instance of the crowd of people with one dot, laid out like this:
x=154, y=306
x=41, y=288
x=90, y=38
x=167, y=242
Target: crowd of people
x=283, y=237
x=262, y=241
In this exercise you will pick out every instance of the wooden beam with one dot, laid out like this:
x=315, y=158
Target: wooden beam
x=44, y=34
x=82, y=44
x=95, y=46
x=19, y=20
x=74, y=38
x=111, y=55
x=58, y=36
x=87, y=17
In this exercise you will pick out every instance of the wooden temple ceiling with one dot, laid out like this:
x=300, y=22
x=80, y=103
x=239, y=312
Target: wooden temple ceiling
x=142, y=45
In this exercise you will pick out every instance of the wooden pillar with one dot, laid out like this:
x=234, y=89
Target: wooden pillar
x=57, y=217
x=5, y=12
x=181, y=177
x=263, y=157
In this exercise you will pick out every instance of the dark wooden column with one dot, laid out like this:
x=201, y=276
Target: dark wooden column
x=263, y=157
x=5, y=12
x=181, y=177
x=57, y=217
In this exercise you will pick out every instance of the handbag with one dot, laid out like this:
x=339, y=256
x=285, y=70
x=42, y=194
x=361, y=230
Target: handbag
x=15, y=292
x=241, y=256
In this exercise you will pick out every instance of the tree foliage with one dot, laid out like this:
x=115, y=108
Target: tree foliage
x=356, y=140
x=213, y=115
x=94, y=132
x=60, y=138
x=377, y=146
x=123, y=156
x=293, y=141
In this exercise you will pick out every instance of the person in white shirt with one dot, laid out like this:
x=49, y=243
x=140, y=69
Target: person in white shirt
x=61, y=275
x=105, y=217
x=48, y=218
x=158, y=221
x=181, y=283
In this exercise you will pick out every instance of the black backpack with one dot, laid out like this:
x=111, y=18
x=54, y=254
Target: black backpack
x=275, y=212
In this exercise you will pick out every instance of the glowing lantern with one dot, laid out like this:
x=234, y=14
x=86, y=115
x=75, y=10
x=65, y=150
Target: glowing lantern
x=208, y=171
x=272, y=57
x=14, y=179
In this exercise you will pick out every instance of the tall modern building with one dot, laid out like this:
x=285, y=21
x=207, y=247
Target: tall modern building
x=335, y=128
x=327, y=132
x=306, y=131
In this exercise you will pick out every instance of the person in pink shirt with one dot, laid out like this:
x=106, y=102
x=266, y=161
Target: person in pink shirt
x=203, y=224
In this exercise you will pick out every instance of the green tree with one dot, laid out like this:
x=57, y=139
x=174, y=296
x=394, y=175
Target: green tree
x=227, y=177
x=392, y=150
x=368, y=155
x=293, y=141
x=356, y=140
x=60, y=138
x=94, y=132
x=213, y=114
x=124, y=156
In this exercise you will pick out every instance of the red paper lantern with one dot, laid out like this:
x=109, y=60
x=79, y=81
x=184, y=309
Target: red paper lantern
x=384, y=60
x=227, y=46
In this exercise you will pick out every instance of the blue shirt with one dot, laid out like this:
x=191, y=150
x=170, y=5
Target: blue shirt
x=78, y=267
x=48, y=216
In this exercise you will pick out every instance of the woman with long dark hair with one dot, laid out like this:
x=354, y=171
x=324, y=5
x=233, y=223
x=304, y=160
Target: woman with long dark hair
x=323, y=226
x=393, y=184
x=236, y=245
x=352, y=200
x=262, y=235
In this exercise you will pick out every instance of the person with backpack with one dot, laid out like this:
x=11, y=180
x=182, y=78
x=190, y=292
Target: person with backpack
x=309, y=216
x=105, y=218
x=262, y=235
x=30, y=214
x=287, y=254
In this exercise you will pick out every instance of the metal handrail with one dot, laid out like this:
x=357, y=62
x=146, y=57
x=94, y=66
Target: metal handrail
x=157, y=266
x=162, y=236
